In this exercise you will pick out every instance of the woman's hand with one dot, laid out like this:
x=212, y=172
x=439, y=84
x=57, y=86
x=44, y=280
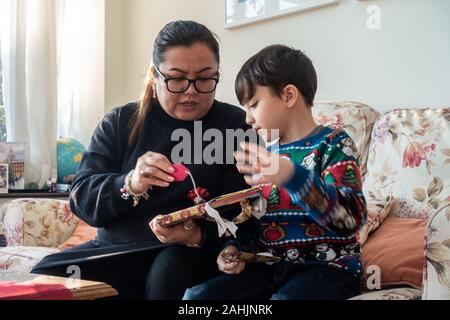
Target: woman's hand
x=152, y=169
x=187, y=233
x=228, y=260
x=261, y=166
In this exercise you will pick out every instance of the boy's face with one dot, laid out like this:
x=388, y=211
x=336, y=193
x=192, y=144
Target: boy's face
x=265, y=110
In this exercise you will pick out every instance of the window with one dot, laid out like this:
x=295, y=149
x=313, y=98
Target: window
x=2, y=107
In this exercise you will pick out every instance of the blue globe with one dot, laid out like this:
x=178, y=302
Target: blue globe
x=68, y=157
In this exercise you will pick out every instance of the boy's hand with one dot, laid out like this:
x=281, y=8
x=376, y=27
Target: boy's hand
x=228, y=261
x=261, y=166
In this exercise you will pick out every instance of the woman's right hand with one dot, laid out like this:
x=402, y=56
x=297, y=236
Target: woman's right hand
x=228, y=260
x=152, y=169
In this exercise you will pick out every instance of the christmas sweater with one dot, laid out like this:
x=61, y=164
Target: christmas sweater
x=313, y=218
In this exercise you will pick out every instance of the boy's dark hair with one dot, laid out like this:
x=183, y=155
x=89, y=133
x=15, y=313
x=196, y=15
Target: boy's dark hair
x=277, y=66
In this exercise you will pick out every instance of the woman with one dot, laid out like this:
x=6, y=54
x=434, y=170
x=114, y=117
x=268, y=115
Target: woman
x=124, y=180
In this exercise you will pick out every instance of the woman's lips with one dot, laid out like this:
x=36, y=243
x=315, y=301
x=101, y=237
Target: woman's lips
x=189, y=105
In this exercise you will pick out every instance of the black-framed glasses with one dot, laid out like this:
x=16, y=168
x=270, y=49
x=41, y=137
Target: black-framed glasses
x=180, y=85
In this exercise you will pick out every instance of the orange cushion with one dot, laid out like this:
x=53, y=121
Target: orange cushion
x=82, y=233
x=377, y=211
x=397, y=248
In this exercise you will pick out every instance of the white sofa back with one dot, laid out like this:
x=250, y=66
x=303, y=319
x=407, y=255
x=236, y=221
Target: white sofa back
x=37, y=222
x=409, y=158
x=355, y=118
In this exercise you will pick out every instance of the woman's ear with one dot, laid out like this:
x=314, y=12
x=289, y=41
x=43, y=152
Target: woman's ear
x=151, y=76
x=152, y=72
x=290, y=95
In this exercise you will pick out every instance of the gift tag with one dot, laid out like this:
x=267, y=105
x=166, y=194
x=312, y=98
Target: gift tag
x=181, y=172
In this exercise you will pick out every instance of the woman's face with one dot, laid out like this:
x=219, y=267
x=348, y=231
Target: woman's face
x=196, y=61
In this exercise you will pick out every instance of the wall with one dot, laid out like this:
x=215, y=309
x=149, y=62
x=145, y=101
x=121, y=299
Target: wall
x=114, y=53
x=405, y=64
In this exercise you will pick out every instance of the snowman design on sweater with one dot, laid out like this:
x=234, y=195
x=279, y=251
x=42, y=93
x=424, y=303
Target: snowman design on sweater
x=314, y=218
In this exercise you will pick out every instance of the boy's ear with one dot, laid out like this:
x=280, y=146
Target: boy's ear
x=290, y=95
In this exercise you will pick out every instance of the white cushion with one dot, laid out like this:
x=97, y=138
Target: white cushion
x=409, y=158
x=355, y=118
x=22, y=259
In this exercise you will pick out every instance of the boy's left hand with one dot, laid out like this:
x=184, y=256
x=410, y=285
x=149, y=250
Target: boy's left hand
x=261, y=166
x=228, y=260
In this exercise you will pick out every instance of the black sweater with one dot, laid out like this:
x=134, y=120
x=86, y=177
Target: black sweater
x=96, y=197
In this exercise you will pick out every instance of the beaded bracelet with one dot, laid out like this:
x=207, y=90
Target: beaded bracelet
x=200, y=243
x=126, y=191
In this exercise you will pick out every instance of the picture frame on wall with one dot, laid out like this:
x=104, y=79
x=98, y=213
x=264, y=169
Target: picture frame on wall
x=244, y=12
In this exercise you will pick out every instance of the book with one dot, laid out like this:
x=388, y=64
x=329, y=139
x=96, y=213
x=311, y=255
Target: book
x=16, y=175
x=199, y=211
x=13, y=154
x=3, y=178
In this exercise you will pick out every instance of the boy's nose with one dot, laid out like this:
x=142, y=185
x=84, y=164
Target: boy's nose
x=249, y=119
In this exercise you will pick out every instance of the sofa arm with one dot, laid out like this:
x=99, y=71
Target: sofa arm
x=37, y=222
x=436, y=273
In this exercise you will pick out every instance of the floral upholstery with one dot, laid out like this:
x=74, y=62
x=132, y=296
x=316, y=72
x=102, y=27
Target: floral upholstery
x=437, y=253
x=355, y=118
x=409, y=158
x=391, y=294
x=37, y=222
x=22, y=259
x=377, y=211
x=33, y=228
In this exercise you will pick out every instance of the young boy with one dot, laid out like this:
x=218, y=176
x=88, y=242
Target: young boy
x=315, y=234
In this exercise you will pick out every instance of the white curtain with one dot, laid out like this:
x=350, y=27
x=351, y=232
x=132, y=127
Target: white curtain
x=28, y=40
x=53, y=65
x=81, y=54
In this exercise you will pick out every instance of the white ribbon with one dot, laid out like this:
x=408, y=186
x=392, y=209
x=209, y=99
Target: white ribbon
x=259, y=207
x=222, y=224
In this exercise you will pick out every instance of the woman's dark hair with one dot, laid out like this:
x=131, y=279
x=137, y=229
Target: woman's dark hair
x=176, y=33
x=277, y=66
x=183, y=33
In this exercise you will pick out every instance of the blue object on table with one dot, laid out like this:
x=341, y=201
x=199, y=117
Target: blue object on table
x=69, y=152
